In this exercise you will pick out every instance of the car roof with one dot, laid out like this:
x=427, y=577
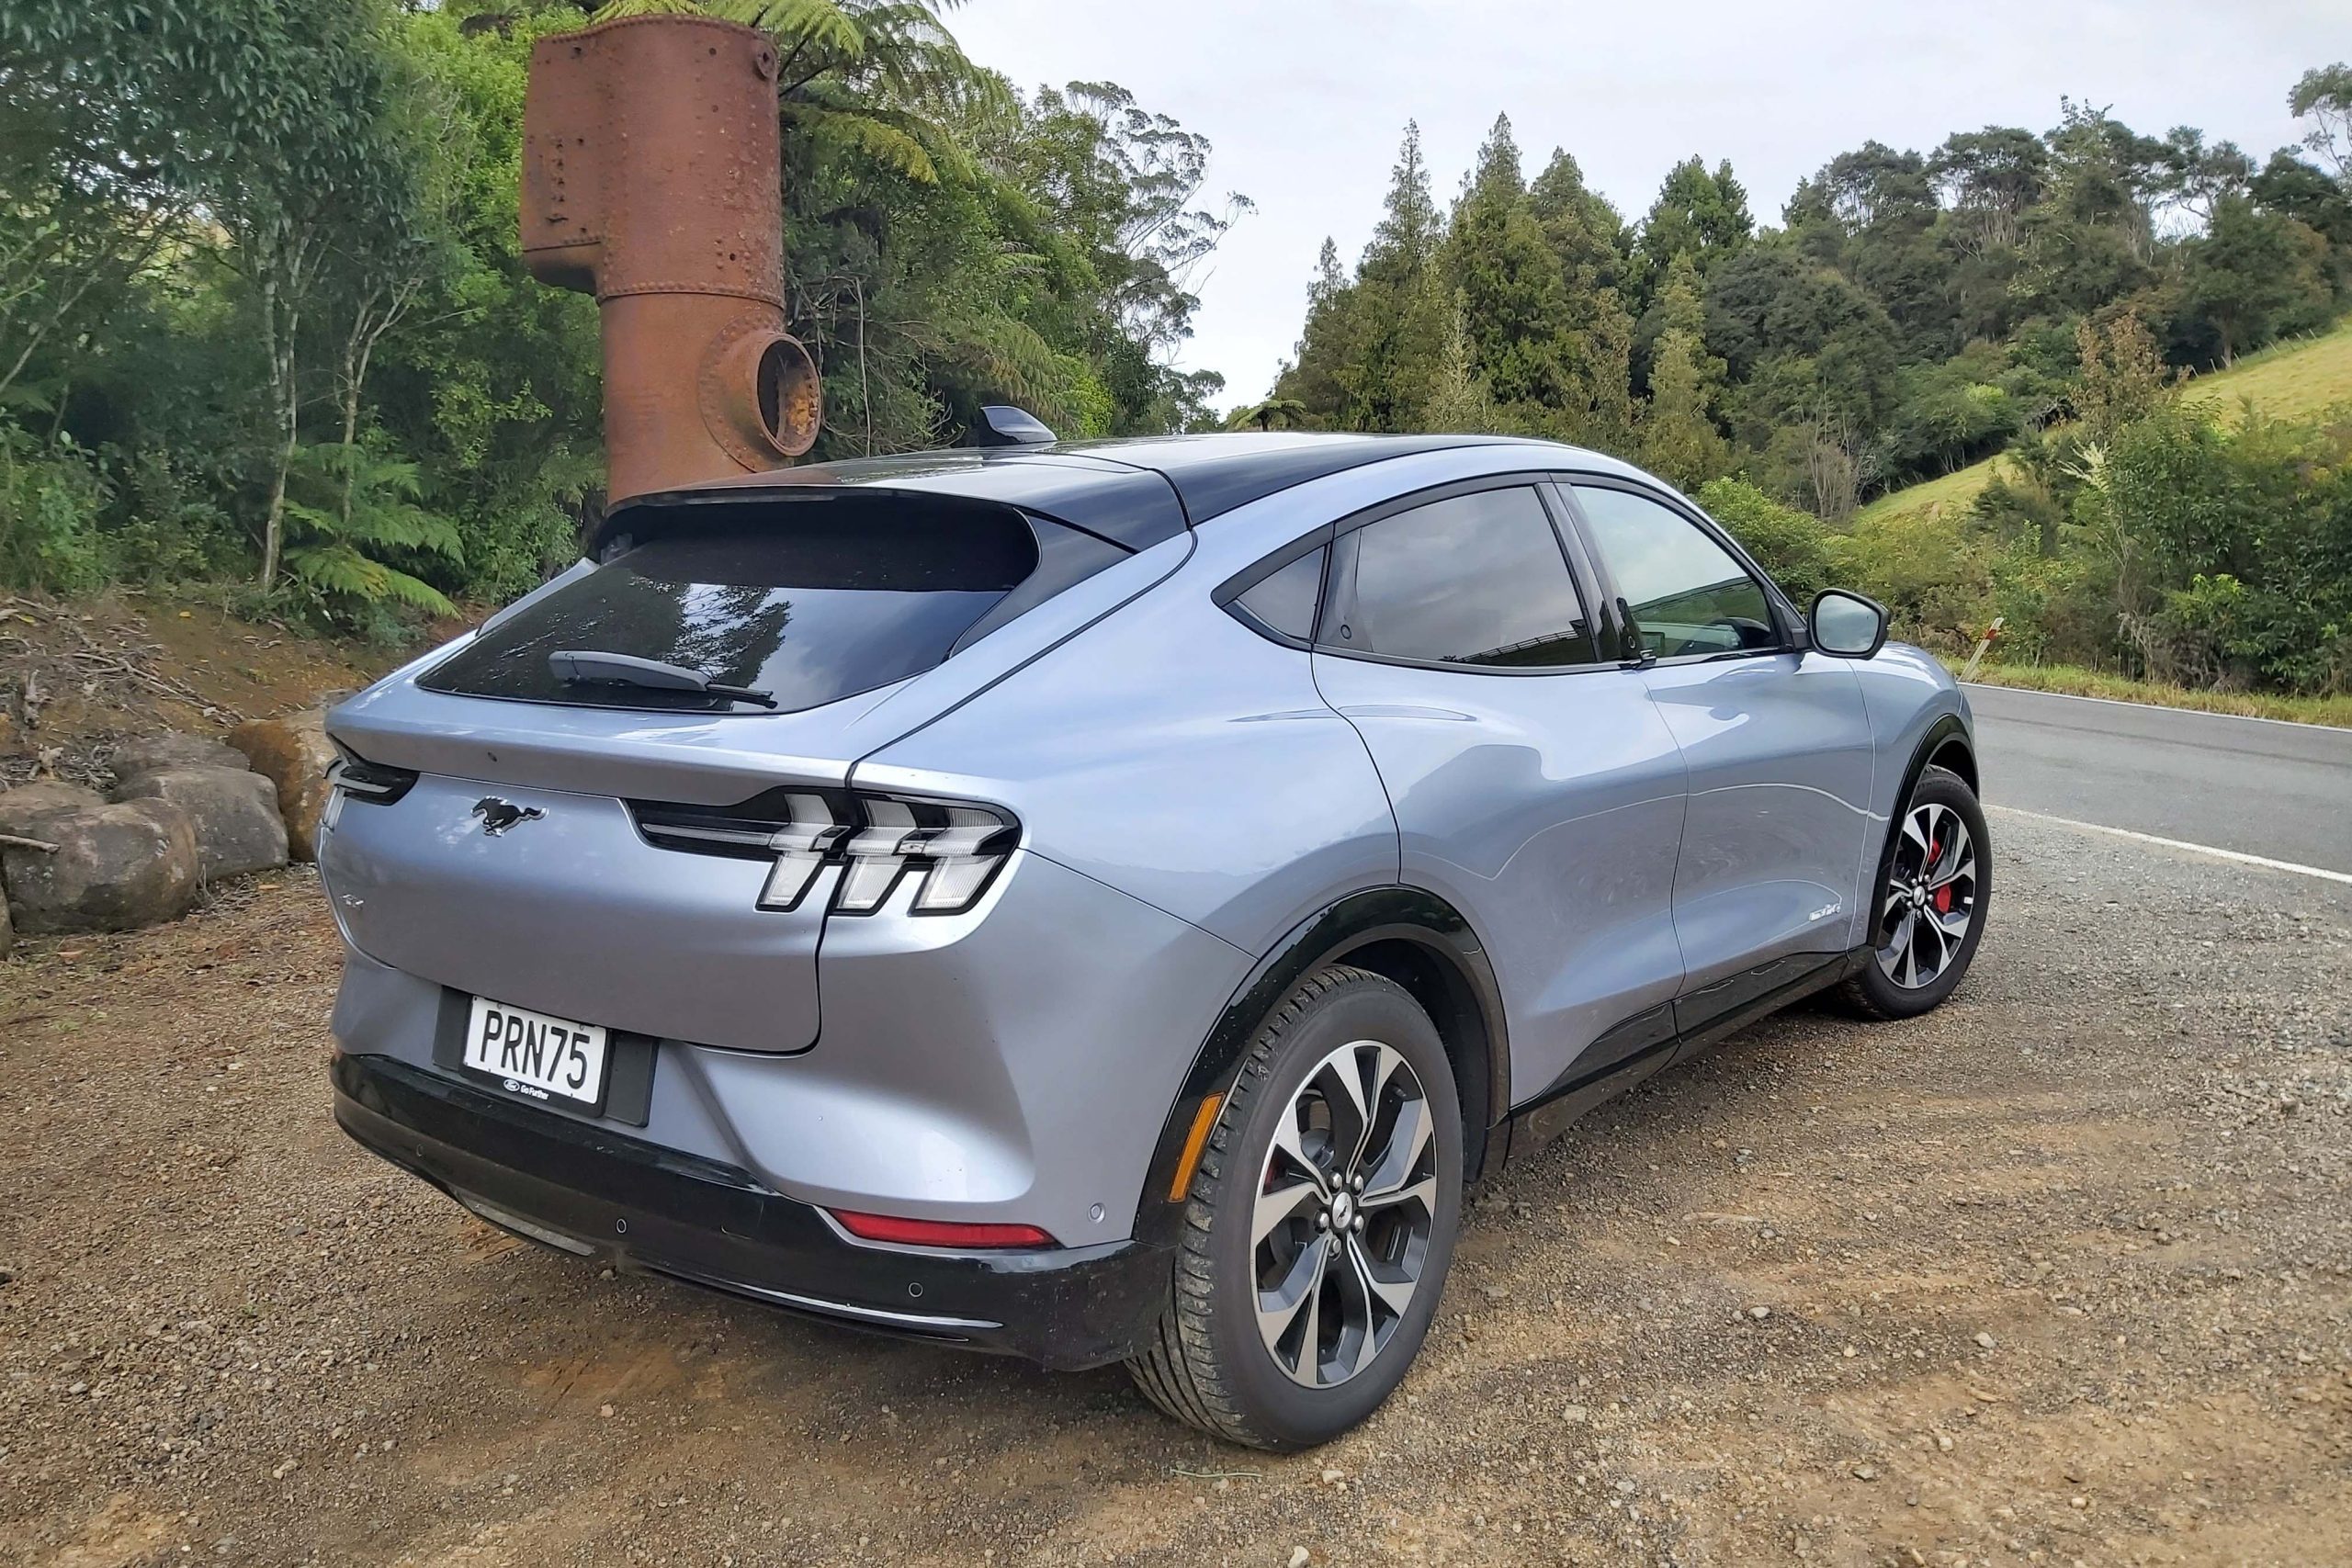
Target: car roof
x=1136, y=490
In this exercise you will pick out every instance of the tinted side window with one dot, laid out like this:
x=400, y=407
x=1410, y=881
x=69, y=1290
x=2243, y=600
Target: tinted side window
x=1475, y=580
x=1687, y=593
x=1284, y=602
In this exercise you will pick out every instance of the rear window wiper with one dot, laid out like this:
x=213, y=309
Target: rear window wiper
x=589, y=666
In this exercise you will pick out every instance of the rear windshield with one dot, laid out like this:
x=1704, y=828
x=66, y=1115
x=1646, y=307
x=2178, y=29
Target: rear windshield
x=806, y=603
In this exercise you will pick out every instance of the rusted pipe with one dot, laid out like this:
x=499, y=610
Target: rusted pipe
x=651, y=180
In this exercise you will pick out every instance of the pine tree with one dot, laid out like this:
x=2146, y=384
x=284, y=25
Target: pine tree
x=1584, y=229
x=1396, y=314
x=1514, y=298
x=1679, y=438
x=1588, y=238
x=1682, y=307
x=1607, y=370
x=1459, y=401
x=1679, y=441
x=1314, y=381
x=1696, y=212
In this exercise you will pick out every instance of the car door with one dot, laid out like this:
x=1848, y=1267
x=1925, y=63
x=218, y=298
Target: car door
x=1535, y=786
x=1774, y=739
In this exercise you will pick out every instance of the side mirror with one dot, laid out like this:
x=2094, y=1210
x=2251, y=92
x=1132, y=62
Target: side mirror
x=1846, y=624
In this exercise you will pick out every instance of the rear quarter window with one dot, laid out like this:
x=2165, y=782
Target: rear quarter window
x=807, y=600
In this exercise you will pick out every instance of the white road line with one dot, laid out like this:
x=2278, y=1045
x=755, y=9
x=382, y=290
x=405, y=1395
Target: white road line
x=2238, y=856
x=2152, y=707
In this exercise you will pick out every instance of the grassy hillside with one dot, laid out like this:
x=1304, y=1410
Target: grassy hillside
x=2292, y=380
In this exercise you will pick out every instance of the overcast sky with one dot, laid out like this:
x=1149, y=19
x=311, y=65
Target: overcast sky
x=1305, y=99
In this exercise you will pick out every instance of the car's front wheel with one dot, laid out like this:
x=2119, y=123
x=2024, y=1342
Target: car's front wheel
x=1935, y=890
x=1319, y=1224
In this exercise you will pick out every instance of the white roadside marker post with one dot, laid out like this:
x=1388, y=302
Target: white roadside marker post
x=1968, y=673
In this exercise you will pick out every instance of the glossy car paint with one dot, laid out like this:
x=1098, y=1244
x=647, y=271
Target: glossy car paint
x=571, y=913
x=1190, y=791
x=1548, y=806
x=1779, y=766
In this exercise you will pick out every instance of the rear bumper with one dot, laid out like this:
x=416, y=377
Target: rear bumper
x=635, y=1205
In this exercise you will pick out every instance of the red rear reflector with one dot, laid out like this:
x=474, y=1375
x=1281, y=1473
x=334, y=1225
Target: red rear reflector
x=938, y=1233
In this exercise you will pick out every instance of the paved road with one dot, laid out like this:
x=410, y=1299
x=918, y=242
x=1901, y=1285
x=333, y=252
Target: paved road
x=2283, y=790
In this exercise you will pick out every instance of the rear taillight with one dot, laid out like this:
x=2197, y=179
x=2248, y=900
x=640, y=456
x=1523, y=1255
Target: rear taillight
x=953, y=848
x=357, y=779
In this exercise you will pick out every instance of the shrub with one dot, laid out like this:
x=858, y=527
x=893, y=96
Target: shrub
x=2053, y=609
x=51, y=496
x=1795, y=547
x=2231, y=549
x=1931, y=572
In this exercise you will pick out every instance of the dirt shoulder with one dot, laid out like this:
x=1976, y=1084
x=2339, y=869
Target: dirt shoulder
x=79, y=676
x=2059, y=1274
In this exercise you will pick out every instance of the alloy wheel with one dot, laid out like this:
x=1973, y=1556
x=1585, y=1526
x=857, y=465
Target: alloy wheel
x=1931, y=898
x=1345, y=1208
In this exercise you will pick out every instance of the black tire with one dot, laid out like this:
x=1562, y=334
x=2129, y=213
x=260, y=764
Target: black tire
x=1880, y=990
x=1206, y=1363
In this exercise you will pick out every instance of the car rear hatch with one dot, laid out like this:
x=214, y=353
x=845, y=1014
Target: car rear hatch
x=499, y=830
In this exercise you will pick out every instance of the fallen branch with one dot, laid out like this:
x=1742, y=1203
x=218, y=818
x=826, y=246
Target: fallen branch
x=18, y=841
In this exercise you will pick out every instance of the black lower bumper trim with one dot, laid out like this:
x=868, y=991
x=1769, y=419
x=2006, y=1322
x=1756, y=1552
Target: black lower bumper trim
x=641, y=1207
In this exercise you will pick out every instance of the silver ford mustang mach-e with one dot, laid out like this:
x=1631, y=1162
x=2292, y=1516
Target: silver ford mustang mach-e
x=1105, y=900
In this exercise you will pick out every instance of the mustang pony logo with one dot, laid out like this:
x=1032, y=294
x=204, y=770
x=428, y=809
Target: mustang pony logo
x=497, y=815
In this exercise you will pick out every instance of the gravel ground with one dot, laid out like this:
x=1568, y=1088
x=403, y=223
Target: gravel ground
x=2057, y=1275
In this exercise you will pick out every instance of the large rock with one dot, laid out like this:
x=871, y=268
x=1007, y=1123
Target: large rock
x=233, y=811
x=7, y=930
x=115, y=867
x=171, y=748
x=22, y=809
x=293, y=755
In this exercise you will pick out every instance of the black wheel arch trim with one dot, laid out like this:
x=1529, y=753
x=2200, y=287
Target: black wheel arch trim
x=1947, y=737
x=1351, y=925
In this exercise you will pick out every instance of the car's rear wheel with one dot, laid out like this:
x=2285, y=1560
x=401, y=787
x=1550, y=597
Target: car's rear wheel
x=1319, y=1224
x=1935, y=889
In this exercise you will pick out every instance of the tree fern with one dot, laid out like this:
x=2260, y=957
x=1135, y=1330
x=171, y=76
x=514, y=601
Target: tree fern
x=354, y=527
x=881, y=77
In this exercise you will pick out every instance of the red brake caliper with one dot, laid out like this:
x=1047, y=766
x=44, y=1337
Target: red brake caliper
x=1943, y=894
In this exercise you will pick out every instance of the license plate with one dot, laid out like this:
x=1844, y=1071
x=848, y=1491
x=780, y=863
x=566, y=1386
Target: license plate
x=536, y=1056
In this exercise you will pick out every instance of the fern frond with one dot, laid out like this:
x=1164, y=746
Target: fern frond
x=883, y=142
x=807, y=23
x=337, y=568
x=621, y=10
x=402, y=528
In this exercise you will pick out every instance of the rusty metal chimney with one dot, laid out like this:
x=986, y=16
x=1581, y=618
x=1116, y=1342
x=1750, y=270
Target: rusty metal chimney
x=651, y=180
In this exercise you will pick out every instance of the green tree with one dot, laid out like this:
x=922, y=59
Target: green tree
x=1509, y=284
x=1679, y=438
x=1398, y=306
x=1588, y=239
x=489, y=380
x=1267, y=413
x=1311, y=378
x=2324, y=97
x=2251, y=275
x=2289, y=185
x=1697, y=213
x=324, y=197
x=2123, y=379
x=2092, y=239
x=1458, y=399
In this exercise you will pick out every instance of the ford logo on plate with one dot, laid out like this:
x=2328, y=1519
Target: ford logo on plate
x=497, y=815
